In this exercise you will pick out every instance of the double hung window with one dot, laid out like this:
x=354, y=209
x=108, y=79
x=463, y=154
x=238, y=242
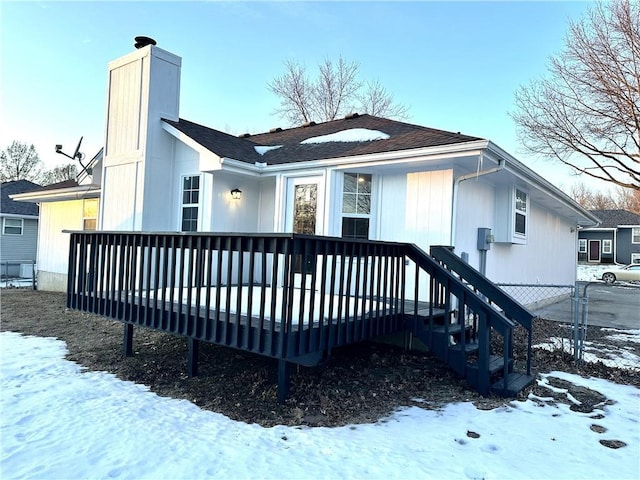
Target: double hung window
x=356, y=205
x=190, y=203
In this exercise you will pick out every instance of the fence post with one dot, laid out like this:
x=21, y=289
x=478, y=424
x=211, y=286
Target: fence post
x=576, y=323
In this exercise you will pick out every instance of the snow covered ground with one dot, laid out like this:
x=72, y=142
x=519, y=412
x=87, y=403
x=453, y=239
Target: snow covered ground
x=59, y=422
x=591, y=273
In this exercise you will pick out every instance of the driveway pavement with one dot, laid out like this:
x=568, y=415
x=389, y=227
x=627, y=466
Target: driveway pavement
x=615, y=306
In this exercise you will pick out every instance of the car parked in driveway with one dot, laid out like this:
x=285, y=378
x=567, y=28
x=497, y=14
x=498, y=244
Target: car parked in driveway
x=630, y=273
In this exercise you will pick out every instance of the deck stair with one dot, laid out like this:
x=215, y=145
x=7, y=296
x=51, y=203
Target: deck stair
x=460, y=335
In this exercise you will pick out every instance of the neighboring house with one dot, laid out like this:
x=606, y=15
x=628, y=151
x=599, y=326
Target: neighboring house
x=615, y=240
x=358, y=177
x=68, y=205
x=19, y=236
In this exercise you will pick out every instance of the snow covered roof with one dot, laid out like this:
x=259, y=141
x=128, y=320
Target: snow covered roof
x=353, y=135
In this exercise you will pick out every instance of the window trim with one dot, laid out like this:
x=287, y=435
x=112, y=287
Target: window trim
x=4, y=226
x=346, y=215
x=607, y=246
x=582, y=245
x=524, y=213
x=635, y=235
x=85, y=218
x=190, y=205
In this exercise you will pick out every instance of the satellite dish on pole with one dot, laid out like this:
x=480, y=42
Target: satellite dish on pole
x=77, y=154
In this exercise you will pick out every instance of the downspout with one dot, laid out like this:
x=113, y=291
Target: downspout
x=458, y=181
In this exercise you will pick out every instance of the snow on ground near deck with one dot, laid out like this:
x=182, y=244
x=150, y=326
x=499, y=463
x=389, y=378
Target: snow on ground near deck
x=617, y=351
x=60, y=422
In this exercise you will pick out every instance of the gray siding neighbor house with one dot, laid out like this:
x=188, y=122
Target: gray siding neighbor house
x=19, y=230
x=615, y=240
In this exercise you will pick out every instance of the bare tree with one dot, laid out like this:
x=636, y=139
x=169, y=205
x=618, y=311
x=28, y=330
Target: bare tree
x=334, y=92
x=60, y=174
x=586, y=113
x=376, y=100
x=628, y=199
x=621, y=198
x=20, y=161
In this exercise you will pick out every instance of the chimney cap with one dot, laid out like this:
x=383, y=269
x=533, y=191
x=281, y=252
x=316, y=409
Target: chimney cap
x=144, y=41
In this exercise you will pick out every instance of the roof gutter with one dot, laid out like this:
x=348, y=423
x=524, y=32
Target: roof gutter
x=60, y=194
x=462, y=178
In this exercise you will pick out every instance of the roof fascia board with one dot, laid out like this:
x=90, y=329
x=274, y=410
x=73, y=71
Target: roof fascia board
x=525, y=173
x=59, y=195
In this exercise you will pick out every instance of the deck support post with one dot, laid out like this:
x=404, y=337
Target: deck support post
x=284, y=373
x=192, y=360
x=128, y=340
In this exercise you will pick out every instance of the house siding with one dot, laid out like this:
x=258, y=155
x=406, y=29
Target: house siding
x=54, y=244
x=600, y=235
x=18, y=248
x=547, y=257
x=624, y=247
x=416, y=208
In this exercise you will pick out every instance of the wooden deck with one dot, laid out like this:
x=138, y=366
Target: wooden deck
x=244, y=292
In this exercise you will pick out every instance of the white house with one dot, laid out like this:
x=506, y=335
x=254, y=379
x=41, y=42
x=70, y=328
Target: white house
x=360, y=177
x=68, y=205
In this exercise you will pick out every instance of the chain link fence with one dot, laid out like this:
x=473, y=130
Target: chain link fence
x=564, y=331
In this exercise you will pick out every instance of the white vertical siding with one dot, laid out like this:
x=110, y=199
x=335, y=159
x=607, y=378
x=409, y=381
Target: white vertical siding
x=144, y=87
x=416, y=208
x=123, y=109
x=53, y=253
x=547, y=257
x=230, y=215
x=119, y=192
x=266, y=216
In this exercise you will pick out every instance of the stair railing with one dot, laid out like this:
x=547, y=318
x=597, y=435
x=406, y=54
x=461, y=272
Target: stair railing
x=447, y=289
x=494, y=294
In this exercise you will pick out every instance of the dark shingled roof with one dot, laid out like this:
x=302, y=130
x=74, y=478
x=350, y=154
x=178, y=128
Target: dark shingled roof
x=402, y=136
x=18, y=208
x=616, y=218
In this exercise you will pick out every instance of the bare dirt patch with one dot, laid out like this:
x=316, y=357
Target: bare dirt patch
x=361, y=383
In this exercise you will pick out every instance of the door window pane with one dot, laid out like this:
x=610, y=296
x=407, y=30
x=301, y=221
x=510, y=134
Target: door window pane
x=305, y=209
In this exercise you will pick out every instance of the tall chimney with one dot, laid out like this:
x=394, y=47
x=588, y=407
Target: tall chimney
x=143, y=88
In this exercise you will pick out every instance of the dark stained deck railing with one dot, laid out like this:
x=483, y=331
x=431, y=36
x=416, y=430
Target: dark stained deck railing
x=287, y=296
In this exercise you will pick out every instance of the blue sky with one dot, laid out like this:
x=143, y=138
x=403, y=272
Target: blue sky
x=456, y=64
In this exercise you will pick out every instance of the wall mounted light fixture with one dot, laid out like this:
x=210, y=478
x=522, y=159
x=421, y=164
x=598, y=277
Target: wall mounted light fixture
x=236, y=194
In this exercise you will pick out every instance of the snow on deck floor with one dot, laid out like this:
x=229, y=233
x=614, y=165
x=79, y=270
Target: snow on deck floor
x=60, y=422
x=338, y=306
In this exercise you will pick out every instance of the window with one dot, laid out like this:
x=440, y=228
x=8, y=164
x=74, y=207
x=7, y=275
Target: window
x=582, y=245
x=190, y=202
x=356, y=205
x=635, y=258
x=89, y=213
x=521, y=207
x=635, y=235
x=12, y=226
x=606, y=246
